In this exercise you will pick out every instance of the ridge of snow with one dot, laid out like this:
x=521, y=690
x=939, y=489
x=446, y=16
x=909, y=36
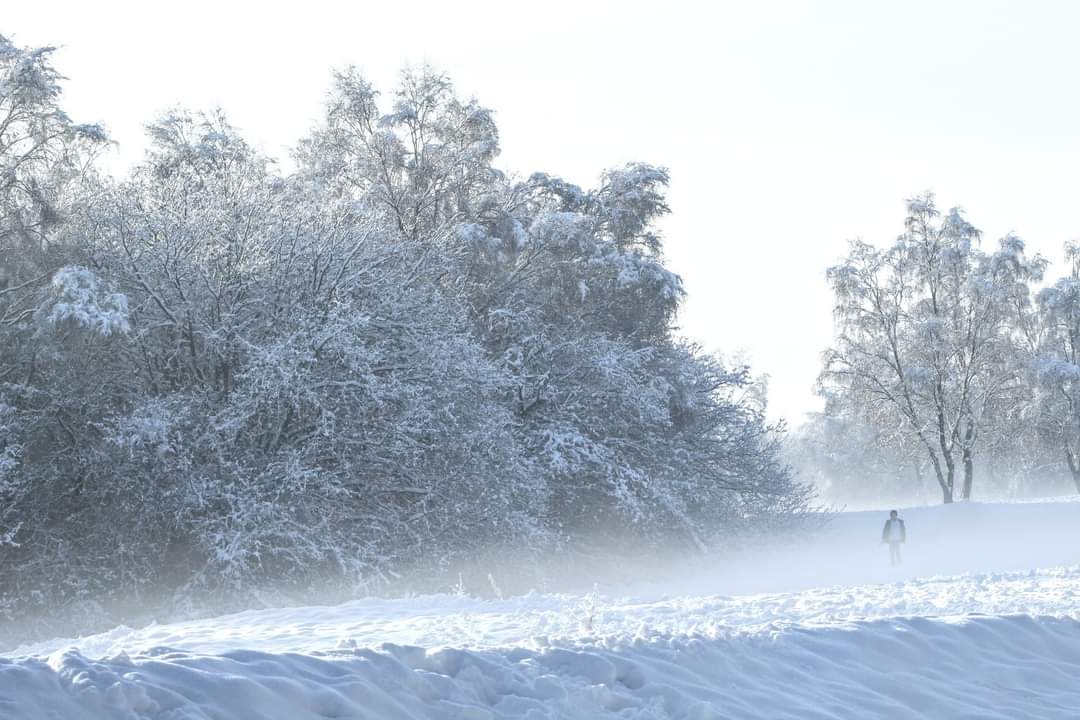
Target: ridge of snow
x=1010, y=667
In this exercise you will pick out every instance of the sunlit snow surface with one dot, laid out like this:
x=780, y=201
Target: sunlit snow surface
x=831, y=637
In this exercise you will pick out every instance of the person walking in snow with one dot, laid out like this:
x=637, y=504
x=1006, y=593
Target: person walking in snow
x=895, y=535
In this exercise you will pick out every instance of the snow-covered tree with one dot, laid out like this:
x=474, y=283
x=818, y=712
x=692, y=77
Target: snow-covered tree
x=926, y=332
x=222, y=382
x=853, y=461
x=42, y=154
x=1056, y=366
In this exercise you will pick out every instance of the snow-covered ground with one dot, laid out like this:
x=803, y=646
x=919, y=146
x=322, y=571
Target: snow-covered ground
x=982, y=621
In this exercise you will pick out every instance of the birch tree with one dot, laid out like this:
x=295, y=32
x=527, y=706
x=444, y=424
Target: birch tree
x=926, y=328
x=1056, y=366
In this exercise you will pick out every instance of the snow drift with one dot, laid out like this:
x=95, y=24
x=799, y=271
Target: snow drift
x=987, y=667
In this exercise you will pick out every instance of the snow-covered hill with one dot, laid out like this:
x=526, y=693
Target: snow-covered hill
x=983, y=621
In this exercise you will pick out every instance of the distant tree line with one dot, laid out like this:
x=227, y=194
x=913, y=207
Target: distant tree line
x=219, y=379
x=948, y=359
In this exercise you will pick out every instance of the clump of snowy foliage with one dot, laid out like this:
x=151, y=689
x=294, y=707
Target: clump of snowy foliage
x=80, y=301
x=218, y=380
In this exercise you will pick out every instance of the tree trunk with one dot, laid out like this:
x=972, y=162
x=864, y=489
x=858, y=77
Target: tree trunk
x=944, y=480
x=1073, y=468
x=969, y=473
x=969, y=459
x=950, y=478
x=948, y=483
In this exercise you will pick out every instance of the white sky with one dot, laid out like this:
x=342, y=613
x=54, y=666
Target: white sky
x=789, y=127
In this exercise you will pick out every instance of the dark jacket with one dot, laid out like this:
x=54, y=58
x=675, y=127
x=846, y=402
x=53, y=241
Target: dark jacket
x=885, y=531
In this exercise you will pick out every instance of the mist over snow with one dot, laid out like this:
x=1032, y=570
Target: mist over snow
x=824, y=628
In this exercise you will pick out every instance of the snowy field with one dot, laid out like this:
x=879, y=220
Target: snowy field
x=982, y=621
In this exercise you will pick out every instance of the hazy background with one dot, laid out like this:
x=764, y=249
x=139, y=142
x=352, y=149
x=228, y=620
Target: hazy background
x=789, y=127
